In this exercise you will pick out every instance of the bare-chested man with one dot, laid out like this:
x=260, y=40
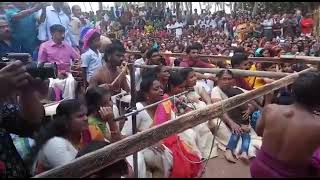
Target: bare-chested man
x=113, y=56
x=290, y=134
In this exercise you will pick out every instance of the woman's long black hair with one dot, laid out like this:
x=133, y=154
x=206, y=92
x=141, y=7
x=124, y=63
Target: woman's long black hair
x=175, y=79
x=94, y=97
x=145, y=87
x=59, y=126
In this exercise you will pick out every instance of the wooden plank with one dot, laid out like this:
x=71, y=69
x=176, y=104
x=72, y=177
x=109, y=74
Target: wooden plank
x=292, y=59
x=237, y=72
x=101, y=158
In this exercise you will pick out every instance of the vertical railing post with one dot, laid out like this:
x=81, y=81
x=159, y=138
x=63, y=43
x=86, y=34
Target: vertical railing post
x=133, y=107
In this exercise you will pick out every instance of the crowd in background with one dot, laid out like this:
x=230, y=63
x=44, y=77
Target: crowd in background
x=90, y=52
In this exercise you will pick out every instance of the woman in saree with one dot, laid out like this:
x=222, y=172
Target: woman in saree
x=186, y=155
x=59, y=141
x=227, y=126
x=198, y=98
x=157, y=160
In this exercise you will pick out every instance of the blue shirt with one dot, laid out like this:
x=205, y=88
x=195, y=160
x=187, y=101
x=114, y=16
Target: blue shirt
x=92, y=61
x=13, y=48
x=24, y=30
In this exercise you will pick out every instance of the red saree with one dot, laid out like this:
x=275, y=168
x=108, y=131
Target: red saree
x=182, y=153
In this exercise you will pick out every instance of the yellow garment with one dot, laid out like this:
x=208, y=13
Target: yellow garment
x=148, y=29
x=255, y=82
x=96, y=133
x=241, y=31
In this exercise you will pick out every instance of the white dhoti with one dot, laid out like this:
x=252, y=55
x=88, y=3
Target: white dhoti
x=67, y=86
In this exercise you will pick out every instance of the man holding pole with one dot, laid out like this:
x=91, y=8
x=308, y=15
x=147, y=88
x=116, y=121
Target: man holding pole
x=109, y=75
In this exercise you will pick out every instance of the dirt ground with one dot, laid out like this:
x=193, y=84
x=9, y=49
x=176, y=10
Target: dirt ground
x=219, y=167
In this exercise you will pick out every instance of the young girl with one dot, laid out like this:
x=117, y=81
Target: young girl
x=100, y=110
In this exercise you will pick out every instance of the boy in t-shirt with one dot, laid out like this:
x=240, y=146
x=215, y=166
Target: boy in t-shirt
x=239, y=115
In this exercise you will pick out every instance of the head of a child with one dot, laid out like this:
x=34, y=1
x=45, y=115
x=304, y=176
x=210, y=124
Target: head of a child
x=235, y=113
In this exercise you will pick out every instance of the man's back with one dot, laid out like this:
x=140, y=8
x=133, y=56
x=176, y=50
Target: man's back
x=290, y=133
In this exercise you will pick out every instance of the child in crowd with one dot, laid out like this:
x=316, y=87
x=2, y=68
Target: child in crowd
x=241, y=116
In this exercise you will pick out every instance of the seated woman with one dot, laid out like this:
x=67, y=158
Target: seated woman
x=202, y=133
x=197, y=93
x=186, y=155
x=155, y=161
x=227, y=126
x=162, y=74
x=59, y=141
x=101, y=115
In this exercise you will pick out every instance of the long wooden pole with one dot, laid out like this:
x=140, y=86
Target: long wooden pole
x=103, y=157
x=282, y=59
x=237, y=72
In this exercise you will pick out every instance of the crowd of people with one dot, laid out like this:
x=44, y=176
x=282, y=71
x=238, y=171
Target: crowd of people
x=92, y=55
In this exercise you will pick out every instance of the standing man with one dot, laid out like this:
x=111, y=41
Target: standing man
x=113, y=56
x=23, y=24
x=267, y=27
x=192, y=59
x=57, y=51
x=7, y=43
x=289, y=134
x=75, y=24
x=53, y=15
x=240, y=61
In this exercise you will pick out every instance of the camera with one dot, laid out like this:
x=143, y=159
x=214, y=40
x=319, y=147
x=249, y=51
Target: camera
x=41, y=70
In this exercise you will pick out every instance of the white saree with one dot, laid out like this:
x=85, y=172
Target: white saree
x=150, y=164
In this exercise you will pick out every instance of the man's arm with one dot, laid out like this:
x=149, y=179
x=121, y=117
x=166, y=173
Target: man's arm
x=43, y=15
x=74, y=54
x=84, y=76
x=84, y=66
x=25, y=120
x=32, y=110
x=94, y=80
x=42, y=55
x=23, y=13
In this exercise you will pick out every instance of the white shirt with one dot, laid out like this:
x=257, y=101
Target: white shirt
x=55, y=152
x=138, y=77
x=54, y=17
x=178, y=27
x=75, y=24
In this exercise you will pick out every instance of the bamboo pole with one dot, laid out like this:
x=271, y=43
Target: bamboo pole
x=283, y=59
x=103, y=157
x=237, y=72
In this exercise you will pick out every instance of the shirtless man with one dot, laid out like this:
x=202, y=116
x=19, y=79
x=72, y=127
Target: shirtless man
x=113, y=56
x=290, y=134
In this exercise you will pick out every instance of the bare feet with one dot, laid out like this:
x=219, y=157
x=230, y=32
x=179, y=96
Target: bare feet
x=244, y=158
x=229, y=156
